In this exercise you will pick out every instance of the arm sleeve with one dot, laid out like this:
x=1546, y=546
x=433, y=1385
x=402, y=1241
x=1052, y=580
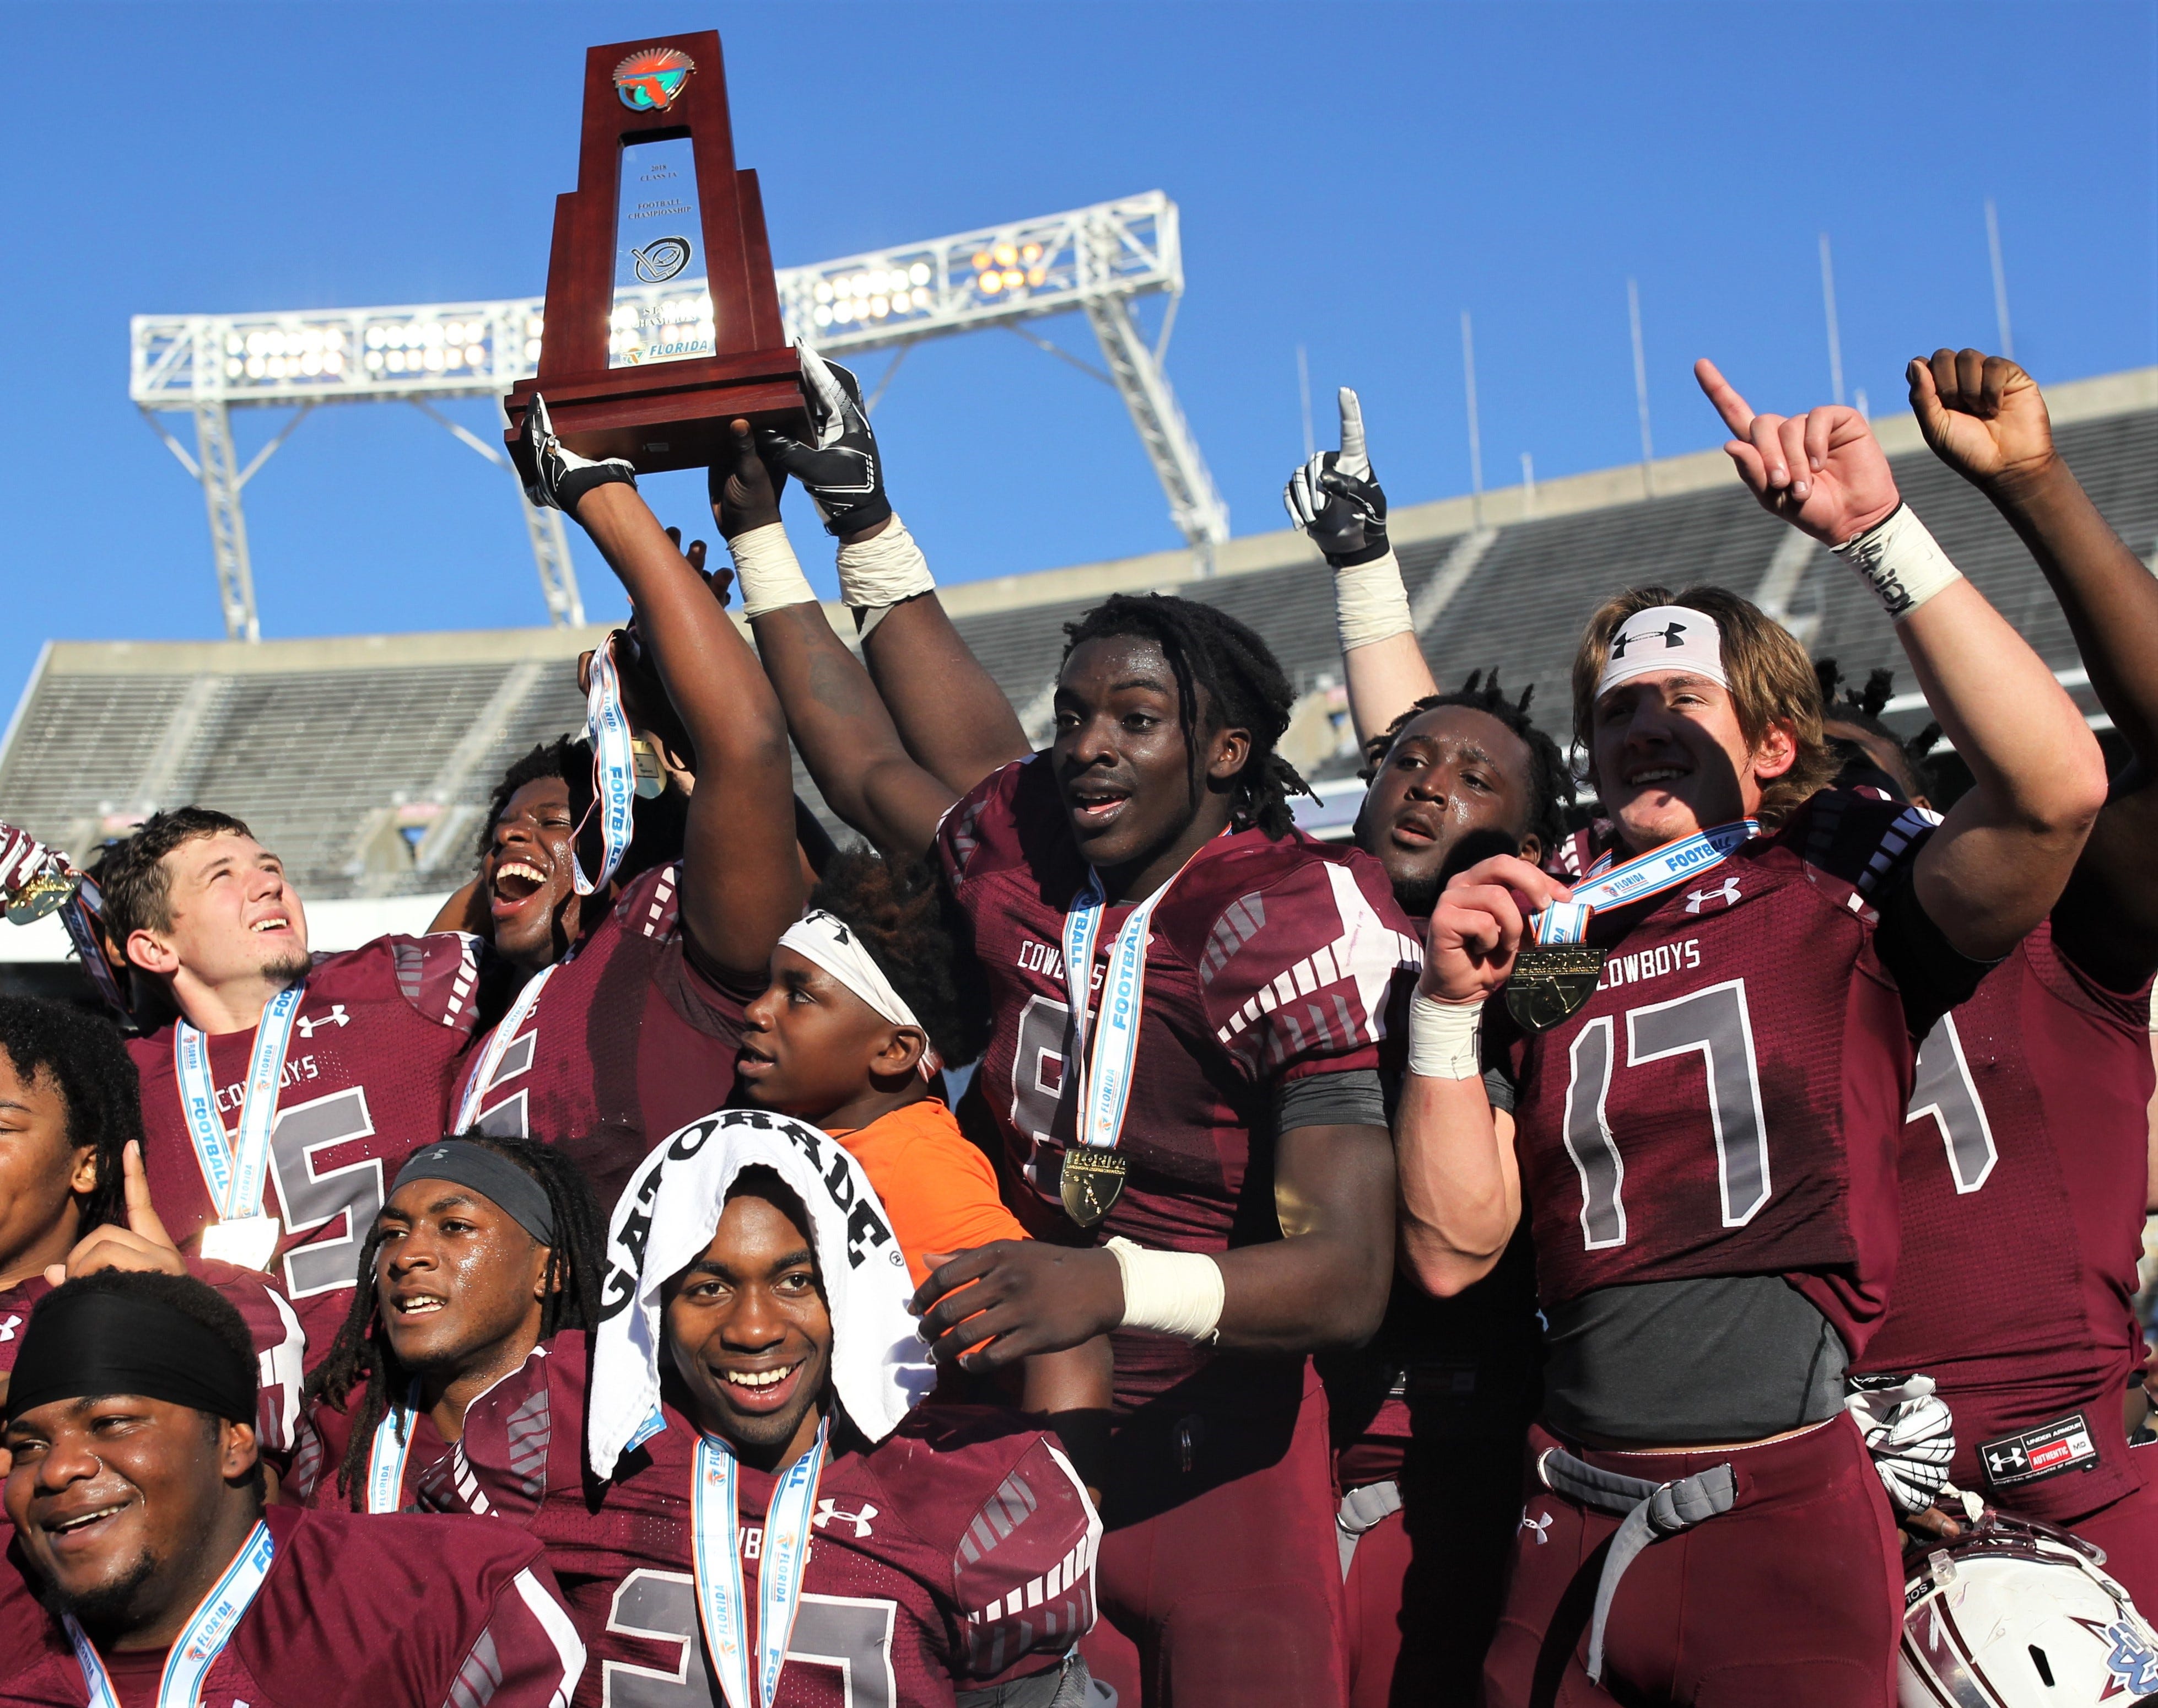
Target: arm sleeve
x=1352, y=1098
x=281, y=1347
x=1312, y=975
x=528, y=1654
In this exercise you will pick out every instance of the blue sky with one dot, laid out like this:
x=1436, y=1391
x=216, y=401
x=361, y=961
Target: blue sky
x=1352, y=177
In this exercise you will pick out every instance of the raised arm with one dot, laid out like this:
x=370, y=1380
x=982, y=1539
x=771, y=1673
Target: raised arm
x=1984, y=418
x=950, y=713
x=1336, y=499
x=841, y=726
x=1998, y=864
x=742, y=880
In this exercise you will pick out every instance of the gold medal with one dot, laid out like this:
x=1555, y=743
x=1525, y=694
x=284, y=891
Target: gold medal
x=1090, y=1182
x=651, y=774
x=41, y=896
x=1549, y=985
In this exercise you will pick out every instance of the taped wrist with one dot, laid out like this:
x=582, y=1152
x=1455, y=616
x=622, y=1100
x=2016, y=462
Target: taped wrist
x=770, y=574
x=880, y=572
x=1170, y=1293
x=1444, y=1038
x=1369, y=603
x=1900, y=561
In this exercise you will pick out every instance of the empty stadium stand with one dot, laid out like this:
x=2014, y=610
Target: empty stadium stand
x=366, y=761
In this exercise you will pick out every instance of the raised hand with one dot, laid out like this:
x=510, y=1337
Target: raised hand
x=1480, y=924
x=553, y=474
x=1982, y=414
x=841, y=471
x=1336, y=499
x=142, y=1244
x=745, y=487
x=1823, y=472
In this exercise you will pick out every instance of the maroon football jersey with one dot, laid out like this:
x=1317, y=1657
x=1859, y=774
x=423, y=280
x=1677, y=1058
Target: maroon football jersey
x=1728, y=1102
x=425, y=1612
x=2023, y=1175
x=325, y=1433
x=1268, y=962
x=628, y=1042
x=957, y=1553
x=373, y=1047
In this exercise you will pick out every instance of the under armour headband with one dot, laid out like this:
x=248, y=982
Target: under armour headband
x=1664, y=637
x=84, y=1343
x=837, y=947
x=494, y=1177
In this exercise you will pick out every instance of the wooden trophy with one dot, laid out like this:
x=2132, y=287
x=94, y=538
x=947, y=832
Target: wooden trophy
x=663, y=318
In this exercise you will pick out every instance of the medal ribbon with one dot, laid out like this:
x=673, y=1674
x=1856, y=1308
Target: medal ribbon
x=1105, y=1068
x=721, y=1602
x=1648, y=875
x=207, y=1633
x=233, y=1168
x=386, y=1457
x=498, y=1042
x=614, y=770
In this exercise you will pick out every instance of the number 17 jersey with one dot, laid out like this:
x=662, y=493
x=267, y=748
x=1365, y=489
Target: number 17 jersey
x=1729, y=1102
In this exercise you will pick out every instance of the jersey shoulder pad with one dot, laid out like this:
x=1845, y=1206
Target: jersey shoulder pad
x=435, y=975
x=650, y=904
x=499, y=1466
x=1856, y=837
x=1013, y=817
x=1300, y=949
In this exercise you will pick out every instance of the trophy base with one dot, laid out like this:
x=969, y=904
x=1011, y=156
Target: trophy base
x=671, y=415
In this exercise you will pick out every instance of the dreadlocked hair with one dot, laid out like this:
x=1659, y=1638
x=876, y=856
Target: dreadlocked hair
x=1245, y=686
x=97, y=1083
x=1841, y=703
x=656, y=824
x=1550, y=784
x=361, y=1356
x=913, y=930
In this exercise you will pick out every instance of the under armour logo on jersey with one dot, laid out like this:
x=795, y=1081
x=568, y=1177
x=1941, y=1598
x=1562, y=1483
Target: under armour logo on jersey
x=1726, y=894
x=1539, y=1526
x=827, y=1510
x=1670, y=638
x=2003, y=1462
x=8, y=1327
x=336, y=1017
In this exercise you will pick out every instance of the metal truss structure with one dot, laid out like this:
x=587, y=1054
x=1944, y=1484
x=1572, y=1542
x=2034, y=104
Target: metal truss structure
x=1097, y=260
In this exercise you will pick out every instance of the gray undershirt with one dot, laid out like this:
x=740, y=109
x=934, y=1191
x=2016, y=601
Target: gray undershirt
x=1725, y=1358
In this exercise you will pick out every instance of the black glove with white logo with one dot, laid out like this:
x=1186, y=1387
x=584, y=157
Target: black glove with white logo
x=841, y=471
x=1335, y=498
x=554, y=475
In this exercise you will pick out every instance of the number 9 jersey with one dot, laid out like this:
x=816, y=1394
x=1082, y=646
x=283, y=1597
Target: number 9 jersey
x=1729, y=1102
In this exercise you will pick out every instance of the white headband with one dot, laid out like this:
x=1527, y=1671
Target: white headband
x=833, y=946
x=1664, y=637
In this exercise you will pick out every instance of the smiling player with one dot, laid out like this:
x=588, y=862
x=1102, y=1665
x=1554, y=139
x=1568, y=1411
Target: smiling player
x=742, y=1435
x=630, y=1007
x=136, y=1490
x=1707, y=1134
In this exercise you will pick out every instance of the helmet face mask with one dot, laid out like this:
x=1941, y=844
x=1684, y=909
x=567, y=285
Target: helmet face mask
x=2017, y=1614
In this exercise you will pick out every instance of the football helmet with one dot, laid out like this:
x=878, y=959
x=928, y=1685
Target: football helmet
x=2018, y=1614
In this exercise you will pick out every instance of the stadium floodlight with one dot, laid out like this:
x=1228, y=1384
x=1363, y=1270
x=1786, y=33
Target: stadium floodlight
x=1095, y=261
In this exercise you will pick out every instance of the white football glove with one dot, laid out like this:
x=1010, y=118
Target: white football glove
x=1911, y=1434
x=554, y=475
x=1335, y=499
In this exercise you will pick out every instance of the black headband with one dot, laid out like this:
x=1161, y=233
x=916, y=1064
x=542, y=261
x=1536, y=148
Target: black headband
x=461, y=1163
x=81, y=1346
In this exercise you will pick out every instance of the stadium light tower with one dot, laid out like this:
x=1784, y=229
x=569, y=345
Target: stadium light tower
x=1096, y=260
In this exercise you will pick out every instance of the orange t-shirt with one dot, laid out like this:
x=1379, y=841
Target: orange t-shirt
x=938, y=1190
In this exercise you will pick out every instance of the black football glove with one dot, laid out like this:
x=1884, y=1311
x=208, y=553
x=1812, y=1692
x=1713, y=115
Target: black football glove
x=840, y=471
x=1336, y=500
x=554, y=475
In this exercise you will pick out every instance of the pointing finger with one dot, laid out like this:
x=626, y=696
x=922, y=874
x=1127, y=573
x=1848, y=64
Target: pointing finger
x=1354, y=461
x=1738, y=415
x=142, y=1217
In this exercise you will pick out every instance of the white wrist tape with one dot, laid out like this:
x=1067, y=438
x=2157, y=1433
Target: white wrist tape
x=770, y=574
x=1902, y=562
x=1371, y=604
x=1171, y=1293
x=1443, y=1038
x=885, y=570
